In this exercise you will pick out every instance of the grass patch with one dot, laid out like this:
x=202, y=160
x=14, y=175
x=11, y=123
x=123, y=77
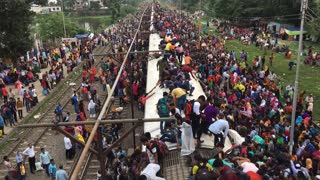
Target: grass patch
x=103, y=17
x=309, y=79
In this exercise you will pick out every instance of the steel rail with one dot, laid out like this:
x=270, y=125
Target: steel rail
x=52, y=103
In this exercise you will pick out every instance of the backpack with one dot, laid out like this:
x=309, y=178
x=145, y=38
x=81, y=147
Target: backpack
x=189, y=109
x=203, y=169
x=186, y=85
x=162, y=148
x=22, y=170
x=162, y=107
x=58, y=110
x=242, y=175
x=71, y=99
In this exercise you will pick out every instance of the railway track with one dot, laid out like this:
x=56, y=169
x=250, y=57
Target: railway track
x=45, y=137
x=91, y=165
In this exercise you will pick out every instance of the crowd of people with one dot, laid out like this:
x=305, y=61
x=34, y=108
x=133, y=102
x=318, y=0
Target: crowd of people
x=238, y=95
x=19, y=85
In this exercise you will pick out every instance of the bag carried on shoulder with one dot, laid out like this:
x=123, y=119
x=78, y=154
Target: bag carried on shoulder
x=162, y=148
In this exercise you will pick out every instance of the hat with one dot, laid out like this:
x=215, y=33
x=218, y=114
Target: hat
x=298, y=165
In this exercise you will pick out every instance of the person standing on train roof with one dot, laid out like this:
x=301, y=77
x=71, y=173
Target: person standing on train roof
x=179, y=97
x=220, y=130
x=163, y=109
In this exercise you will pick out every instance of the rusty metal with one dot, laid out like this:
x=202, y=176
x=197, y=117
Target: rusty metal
x=77, y=123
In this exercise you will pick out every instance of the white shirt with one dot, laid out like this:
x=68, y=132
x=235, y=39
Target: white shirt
x=190, y=83
x=178, y=111
x=67, y=143
x=150, y=154
x=150, y=172
x=196, y=108
x=218, y=126
x=261, y=74
x=249, y=166
x=29, y=152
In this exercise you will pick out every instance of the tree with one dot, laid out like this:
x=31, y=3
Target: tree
x=51, y=27
x=246, y=9
x=67, y=4
x=114, y=6
x=313, y=20
x=15, y=33
x=41, y=2
x=94, y=5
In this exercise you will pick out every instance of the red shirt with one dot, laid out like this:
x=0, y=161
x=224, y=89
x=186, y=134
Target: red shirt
x=135, y=88
x=226, y=174
x=4, y=92
x=84, y=73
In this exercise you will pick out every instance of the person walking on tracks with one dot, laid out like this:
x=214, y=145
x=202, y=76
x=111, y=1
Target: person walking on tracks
x=61, y=174
x=45, y=160
x=68, y=147
x=29, y=151
x=59, y=113
x=52, y=169
x=75, y=102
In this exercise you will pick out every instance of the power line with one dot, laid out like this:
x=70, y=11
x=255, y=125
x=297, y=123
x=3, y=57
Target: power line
x=265, y=17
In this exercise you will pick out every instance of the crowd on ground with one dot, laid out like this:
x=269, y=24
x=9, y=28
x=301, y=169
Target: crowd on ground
x=266, y=40
x=19, y=85
x=238, y=95
x=87, y=105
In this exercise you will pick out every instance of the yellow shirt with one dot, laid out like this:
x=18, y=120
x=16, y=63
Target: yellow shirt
x=195, y=168
x=168, y=47
x=240, y=86
x=178, y=92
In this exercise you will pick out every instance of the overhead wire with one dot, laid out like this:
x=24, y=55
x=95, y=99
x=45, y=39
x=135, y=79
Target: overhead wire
x=262, y=17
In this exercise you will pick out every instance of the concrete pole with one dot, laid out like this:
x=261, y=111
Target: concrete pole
x=101, y=156
x=64, y=25
x=180, y=9
x=296, y=82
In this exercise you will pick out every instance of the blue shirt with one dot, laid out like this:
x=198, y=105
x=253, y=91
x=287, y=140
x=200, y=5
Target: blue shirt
x=1, y=122
x=19, y=158
x=52, y=169
x=45, y=158
x=61, y=175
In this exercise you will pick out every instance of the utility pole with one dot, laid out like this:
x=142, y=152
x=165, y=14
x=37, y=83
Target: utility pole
x=64, y=25
x=199, y=22
x=180, y=9
x=304, y=5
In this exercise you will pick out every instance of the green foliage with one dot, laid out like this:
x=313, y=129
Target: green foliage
x=97, y=23
x=94, y=5
x=313, y=19
x=15, y=33
x=41, y=2
x=67, y=4
x=51, y=26
x=233, y=9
